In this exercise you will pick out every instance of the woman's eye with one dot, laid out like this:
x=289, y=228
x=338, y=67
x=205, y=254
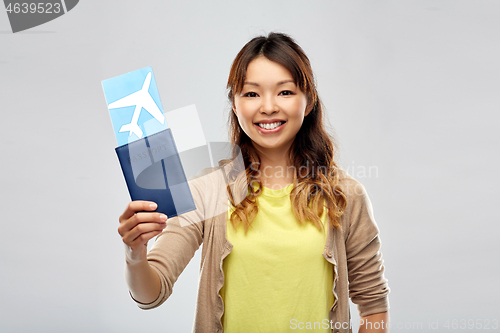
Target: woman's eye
x=250, y=94
x=286, y=93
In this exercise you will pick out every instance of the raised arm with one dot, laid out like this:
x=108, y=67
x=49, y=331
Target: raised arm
x=136, y=230
x=151, y=276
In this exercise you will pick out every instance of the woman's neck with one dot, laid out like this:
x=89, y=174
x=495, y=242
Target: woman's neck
x=275, y=170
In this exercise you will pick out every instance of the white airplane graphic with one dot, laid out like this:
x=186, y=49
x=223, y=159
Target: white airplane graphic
x=141, y=99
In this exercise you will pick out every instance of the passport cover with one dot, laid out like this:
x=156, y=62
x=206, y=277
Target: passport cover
x=153, y=172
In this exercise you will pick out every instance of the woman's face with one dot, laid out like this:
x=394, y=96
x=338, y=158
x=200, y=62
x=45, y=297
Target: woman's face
x=270, y=108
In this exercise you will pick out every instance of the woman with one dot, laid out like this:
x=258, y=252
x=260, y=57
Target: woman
x=300, y=242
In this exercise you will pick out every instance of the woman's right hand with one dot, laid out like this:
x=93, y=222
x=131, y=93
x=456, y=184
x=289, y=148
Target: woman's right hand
x=138, y=227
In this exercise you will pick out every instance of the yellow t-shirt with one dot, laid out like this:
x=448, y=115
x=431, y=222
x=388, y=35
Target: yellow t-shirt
x=276, y=278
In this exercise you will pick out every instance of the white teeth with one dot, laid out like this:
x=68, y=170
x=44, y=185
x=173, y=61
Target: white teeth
x=271, y=125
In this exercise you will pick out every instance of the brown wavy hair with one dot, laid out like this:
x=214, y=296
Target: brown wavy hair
x=315, y=173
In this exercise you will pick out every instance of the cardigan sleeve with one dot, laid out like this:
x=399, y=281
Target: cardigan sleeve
x=368, y=288
x=177, y=244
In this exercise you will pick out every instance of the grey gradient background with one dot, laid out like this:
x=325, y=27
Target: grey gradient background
x=411, y=89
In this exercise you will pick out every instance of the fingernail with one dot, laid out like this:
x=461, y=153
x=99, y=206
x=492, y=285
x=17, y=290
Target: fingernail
x=163, y=217
x=152, y=206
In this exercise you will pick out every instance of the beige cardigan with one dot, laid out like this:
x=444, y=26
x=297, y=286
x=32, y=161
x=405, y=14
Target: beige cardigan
x=354, y=253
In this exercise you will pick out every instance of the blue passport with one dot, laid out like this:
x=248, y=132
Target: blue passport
x=146, y=150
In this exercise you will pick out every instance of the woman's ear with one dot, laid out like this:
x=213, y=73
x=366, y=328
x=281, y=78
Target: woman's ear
x=309, y=107
x=234, y=110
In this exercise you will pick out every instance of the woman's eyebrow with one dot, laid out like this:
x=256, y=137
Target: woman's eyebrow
x=278, y=84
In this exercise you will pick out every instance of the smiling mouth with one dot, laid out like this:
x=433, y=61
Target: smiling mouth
x=271, y=126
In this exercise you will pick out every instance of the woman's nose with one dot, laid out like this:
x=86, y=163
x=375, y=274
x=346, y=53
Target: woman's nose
x=269, y=105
